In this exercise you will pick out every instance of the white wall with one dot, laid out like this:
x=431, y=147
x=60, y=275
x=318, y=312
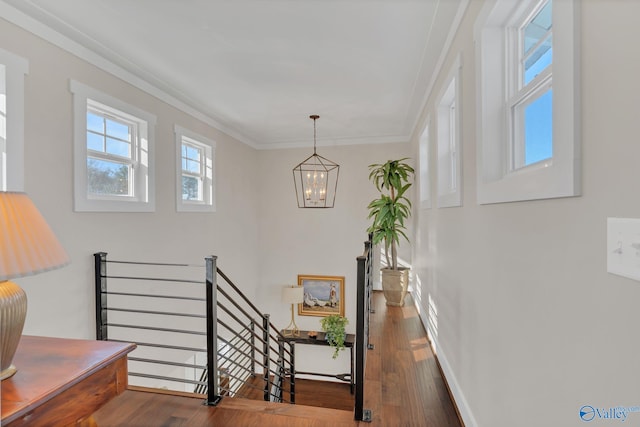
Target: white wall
x=61, y=303
x=530, y=327
x=314, y=241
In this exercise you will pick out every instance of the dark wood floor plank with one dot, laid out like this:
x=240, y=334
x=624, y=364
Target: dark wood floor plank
x=404, y=387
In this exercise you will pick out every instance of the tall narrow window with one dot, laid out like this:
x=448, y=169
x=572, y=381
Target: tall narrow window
x=531, y=101
x=528, y=123
x=113, y=162
x=3, y=129
x=195, y=177
x=425, y=168
x=12, y=71
x=448, y=142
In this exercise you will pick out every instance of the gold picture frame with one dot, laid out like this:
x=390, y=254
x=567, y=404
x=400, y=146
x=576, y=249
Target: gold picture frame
x=323, y=295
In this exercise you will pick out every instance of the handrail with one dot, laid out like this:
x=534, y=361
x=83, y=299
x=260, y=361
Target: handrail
x=236, y=338
x=364, y=284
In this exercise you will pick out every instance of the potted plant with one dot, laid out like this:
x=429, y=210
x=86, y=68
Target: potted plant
x=334, y=331
x=389, y=211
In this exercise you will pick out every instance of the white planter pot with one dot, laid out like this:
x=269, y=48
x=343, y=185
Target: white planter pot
x=394, y=285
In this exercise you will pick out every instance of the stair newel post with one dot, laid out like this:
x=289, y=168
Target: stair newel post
x=281, y=370
x=252, y=327
x=292, y=376
x=100, y=271
x=213, y=385
x=265, y=336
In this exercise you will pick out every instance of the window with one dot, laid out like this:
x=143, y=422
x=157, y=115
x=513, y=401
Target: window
x=448, y=142
x=12, y=71
x=425, y=169
x=113, y=154
x=528, y=100
x=195, y=172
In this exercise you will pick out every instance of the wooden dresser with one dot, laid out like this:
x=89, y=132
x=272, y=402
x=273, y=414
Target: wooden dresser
x=61, y=382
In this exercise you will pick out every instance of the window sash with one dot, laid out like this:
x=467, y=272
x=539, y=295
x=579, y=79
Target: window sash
x=131, y=161
x=524, y=93
x=199, y=158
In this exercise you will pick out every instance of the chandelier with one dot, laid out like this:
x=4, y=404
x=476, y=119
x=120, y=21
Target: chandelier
x=316, y=178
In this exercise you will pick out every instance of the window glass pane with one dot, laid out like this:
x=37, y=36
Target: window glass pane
x=538, y=129
x=191, y=188
x=537, y=39
x=3, y=130
x=193, y=167
x=191, y=159
x=452, y=144
x=118, y=148
x=538, y=61
x=107, y=178
x=95, y=123
x=118, y=130
x=95, y=142
x=535, y=30
x=192, y=153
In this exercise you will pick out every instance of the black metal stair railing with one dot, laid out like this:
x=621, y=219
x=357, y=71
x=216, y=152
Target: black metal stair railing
x=364, y=284
x=193, y=335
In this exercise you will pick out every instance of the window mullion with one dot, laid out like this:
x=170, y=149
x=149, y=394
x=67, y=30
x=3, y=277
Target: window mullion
x=110, y=157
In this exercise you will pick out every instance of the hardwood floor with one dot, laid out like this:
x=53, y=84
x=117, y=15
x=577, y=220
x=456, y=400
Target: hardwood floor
x=403, y=383
x=323, y=394
x=404, y=387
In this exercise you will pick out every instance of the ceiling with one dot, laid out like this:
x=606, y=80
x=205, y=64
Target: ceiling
x=257, y=69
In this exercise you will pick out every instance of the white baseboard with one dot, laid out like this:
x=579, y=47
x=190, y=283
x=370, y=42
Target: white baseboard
x=458, y=397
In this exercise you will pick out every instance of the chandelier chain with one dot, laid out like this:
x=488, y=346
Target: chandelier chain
x=314, y=117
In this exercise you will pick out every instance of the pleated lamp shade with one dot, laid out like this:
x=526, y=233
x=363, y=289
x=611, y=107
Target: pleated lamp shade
x=27, y=247
x=27, y=244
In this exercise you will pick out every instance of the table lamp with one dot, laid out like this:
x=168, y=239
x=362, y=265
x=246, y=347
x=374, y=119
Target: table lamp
x=27, y=246
x=292, y=295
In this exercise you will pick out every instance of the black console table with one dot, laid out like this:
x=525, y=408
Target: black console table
x=304, y=338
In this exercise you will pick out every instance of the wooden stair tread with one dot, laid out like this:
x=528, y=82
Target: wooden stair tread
x=285, y=409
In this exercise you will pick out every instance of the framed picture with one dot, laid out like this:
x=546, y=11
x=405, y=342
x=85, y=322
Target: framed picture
x=323, y=295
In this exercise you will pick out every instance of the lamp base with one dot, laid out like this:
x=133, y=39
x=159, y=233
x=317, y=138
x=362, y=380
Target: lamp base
x=292, y=329
x=8, y=373
x=13, y=311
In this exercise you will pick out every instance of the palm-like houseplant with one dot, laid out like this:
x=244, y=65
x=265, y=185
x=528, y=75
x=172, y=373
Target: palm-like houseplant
x=389, y=212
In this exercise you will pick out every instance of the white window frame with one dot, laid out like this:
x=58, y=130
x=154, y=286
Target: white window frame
x=497, y=179
x=207, y=174
x=12, y=145
x=143, y=198
x=449, y=141
x=424, y=159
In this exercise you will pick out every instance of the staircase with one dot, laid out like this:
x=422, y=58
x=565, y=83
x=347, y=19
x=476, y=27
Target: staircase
x=205, y=338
